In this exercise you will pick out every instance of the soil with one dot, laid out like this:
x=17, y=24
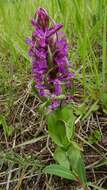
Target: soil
x=29, y=124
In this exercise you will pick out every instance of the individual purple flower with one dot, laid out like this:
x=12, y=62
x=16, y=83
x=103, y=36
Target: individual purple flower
x=57, y=87
x=55, y=104
x=49, y=53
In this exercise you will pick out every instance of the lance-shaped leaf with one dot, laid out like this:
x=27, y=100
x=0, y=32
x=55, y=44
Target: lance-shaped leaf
x=60, y=156
x=60, y=171
x=57, y=130
x=66, y=115
x=77, y=162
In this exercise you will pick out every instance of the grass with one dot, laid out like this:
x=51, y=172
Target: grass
x=85, y=24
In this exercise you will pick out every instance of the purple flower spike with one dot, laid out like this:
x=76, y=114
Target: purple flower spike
x=49, y=53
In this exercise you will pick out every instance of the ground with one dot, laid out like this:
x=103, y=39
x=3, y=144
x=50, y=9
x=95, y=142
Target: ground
x=28, y=149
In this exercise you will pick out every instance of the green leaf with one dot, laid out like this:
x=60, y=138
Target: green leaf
x=70, y=128
x=69, y=119
x=60, y=171
x=57, y=130
x=7, y=129
x=77, y=162
x=66, y=115
x=61, y=125
x=60, y=156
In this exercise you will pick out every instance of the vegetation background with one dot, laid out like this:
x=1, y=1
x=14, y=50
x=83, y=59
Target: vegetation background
x=25, y=146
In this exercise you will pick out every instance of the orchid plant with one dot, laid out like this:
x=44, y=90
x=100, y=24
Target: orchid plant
x=54, y=80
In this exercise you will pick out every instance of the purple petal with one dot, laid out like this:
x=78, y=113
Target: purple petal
x=31, y=53
x=54, y=29
x=44, y=92
x=28, y=41
x=55, y=104
x=33, y=22
x=41, y=53
x=57, y=86
x=40, y=86
x=70, y=75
